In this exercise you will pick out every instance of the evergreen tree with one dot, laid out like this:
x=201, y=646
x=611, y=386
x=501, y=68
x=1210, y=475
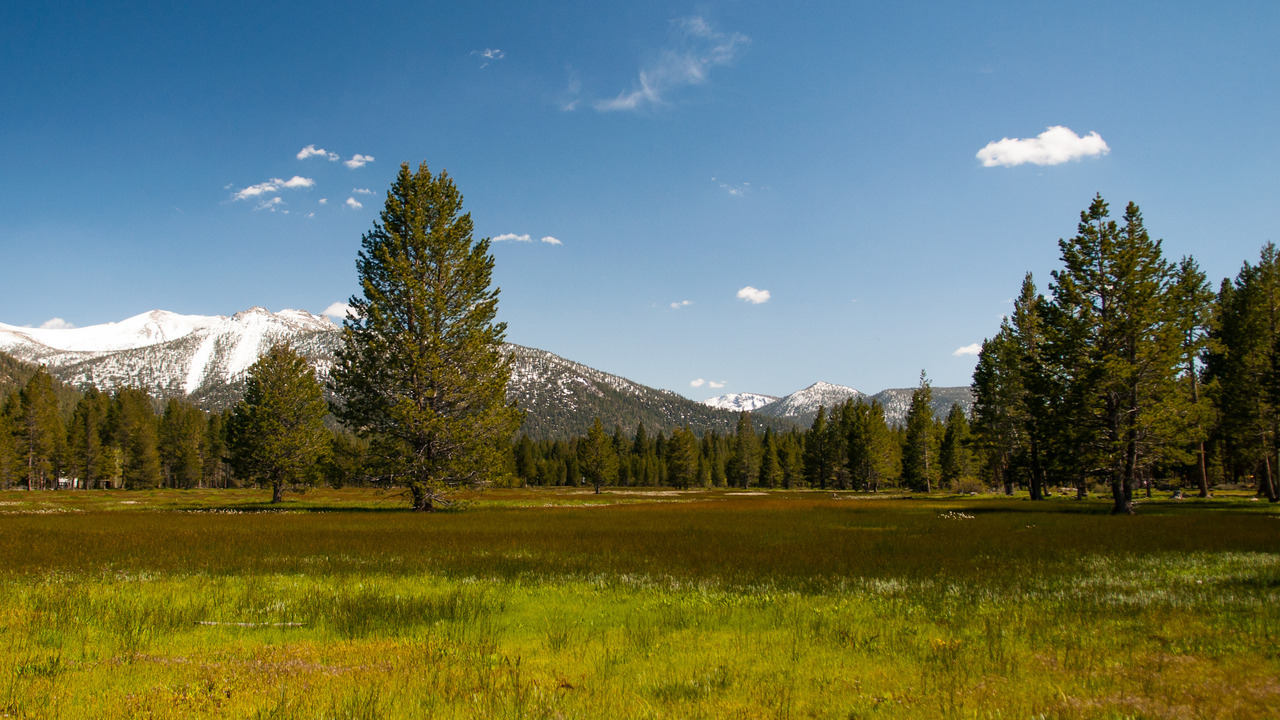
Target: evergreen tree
x=421, y=368
x=817, y=451
x=40, y=432
x=917, y=458
x=10, y=467
x=596, y=457
x=771, y=475
x=1193, y=315
x=182, y=430
x=213, y=451
x=90, y=458
x=872, y=450
x=277, y=434
x=744, y=465
x=682, y=458
x=953, y=454
x=1244, y=366
x=1111, y=320
x=132, y=425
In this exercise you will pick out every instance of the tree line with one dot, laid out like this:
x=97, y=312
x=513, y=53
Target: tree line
x=852, y=447
x=1132, y=369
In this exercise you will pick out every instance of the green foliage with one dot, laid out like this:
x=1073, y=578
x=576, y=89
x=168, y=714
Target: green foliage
x=596, y=456
x=277, y=434
x=919, y=458
x=420, y=369
x=953, y=453
x=41, y=437
x=132, y=426
x=182, y=435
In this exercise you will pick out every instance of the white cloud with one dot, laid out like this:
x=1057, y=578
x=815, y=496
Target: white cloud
x=551, y=241
x=337, y=311
x=312, y=151
x=973, y=349
x=324, y=201
x=697, y=49
x=682, y=303
x=1054, y=146
x=358, y=161
x=273, y=185
x=56, y=324
x=717, y=385
x=736, y=190
x=489, y=54
x=353, y=203
x=271, y=204
x=697, y=383
x=362, y=191
x=512, y=237
x=753, y=296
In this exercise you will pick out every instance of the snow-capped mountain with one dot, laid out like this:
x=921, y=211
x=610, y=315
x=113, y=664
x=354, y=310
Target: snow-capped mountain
x=205, y=358
x=801, y=407
x=168, y=354
x=804, y=403
x=740, y=402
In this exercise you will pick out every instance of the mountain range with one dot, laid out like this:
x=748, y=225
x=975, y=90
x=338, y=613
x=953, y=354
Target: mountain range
x=204, y=358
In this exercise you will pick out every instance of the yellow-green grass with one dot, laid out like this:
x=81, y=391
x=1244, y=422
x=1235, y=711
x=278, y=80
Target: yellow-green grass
x=702, y=604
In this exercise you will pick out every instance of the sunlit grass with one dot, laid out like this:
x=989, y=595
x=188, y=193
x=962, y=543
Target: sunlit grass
x=706, y=605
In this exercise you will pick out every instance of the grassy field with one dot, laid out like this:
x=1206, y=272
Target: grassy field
x=565, y=604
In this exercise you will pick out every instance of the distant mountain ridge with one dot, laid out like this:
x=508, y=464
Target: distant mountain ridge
x=801, y=407
x=204, y=359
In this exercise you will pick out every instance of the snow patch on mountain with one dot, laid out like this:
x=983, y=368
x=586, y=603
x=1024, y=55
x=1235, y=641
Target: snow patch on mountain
x=740, y=402
x=805, y=403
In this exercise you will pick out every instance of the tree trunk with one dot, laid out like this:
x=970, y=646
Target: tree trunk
x=1037, y=471
x=1203, y=480
x=277, y=492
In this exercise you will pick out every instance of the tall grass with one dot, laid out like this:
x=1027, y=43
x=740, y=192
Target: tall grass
x=716, y=606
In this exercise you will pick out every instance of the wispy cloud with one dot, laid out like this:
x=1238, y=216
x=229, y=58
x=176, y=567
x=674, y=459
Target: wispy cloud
x=734, y=190
x=362, y=191
x=337, y=311
x=973, y=349
x=681, y=304
x=525, y=238
x=324, y=201
x=312, y=151
x=271, y=204
x=354, y=204
x=697, y=383
x=753, y=296
x=358, y=161
x=696, y=49
x=717, y=385
x=274, y=185
x=56, y=324
x=489, y=55
x=1054, y=146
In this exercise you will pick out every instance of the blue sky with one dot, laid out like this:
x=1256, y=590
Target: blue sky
x=686, y=157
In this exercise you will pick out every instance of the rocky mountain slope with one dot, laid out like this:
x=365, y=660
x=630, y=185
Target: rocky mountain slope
x=801, y=407
x=205, y=358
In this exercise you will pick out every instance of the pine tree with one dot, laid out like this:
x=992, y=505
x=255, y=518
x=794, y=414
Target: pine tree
x=421, y=368
x=40, y=432
x=771, y=475
x=953, y=454
x=9, y=464
x=682, y=458
x=132, y=423
x=1193, y=315
x=918, y=460
x=277, y=434
x=182, y=429
x=1117, y=346
x=89, y=459
x=817, y=451
x=596, y=457
x=744, y=465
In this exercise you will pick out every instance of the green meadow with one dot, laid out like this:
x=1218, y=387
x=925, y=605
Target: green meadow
x=633, y=604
